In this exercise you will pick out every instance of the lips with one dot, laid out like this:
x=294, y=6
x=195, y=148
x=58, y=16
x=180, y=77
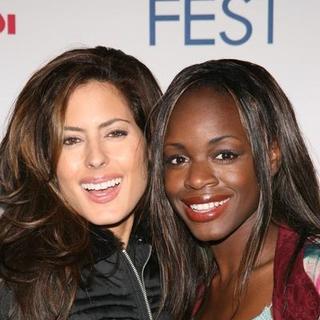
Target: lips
x=101, y=189
x=206, y=208
x=94, y=186
x=203, y=207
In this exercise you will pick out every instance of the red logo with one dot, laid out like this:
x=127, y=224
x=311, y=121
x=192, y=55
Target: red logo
x=8, y=24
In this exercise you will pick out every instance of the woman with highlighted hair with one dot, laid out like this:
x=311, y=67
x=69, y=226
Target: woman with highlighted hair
x=74, y=235
x=235, y=198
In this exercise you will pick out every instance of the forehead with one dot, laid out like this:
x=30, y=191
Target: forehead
x=206, y=110
x=96, y=99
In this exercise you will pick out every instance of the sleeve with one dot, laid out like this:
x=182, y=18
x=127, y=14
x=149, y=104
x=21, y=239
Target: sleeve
x=311, y=263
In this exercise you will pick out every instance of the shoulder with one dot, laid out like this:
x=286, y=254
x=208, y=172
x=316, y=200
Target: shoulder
x=311, y=261
x=308, y=260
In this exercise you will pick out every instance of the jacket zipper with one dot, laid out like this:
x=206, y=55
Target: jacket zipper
x=140, y=280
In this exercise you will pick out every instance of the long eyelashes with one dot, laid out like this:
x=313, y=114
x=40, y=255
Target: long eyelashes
x=72, y=140
x=221, y=156
x=226, y=155
x=69, y=141
x=175, y=160
x=117, y=133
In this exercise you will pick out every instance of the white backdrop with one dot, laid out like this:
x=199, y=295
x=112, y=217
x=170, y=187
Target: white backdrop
x=281, y=35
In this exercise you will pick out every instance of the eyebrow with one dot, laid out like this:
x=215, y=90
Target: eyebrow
x=211, y=141
x=101, y=126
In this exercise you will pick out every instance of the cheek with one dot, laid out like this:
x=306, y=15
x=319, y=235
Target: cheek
x=140, y=159
x=133, y=160
x=137, y=172
x=173, y=184
x=140, y=171
x=67, y=168
x=169, y=185
x=244, y=182
x=249, y=181
x=241, y=177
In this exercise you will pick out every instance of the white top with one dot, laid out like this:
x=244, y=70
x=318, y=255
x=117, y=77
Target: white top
x=265, y=314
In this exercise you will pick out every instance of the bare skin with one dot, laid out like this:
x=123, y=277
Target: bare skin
x=220, y=301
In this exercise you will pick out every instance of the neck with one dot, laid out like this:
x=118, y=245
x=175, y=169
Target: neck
x=228, y=253
x=123, y=230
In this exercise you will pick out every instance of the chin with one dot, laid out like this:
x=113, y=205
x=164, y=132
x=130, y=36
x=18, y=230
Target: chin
x=208, y=235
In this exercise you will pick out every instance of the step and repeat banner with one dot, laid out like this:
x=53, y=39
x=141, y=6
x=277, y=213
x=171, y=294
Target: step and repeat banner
x=167, y=35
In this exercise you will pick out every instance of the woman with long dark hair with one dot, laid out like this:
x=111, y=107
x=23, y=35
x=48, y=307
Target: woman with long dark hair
x=74, y=235
x=235, y=198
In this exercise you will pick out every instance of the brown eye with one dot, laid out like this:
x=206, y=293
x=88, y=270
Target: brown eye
x=69, y=141
x=117, y=133
x=176, y=160
x=226, y=155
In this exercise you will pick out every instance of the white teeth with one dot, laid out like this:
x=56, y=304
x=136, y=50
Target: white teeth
x=101, y=186
x=207, y=206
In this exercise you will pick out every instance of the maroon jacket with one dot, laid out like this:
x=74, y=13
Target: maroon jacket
x=298, y=299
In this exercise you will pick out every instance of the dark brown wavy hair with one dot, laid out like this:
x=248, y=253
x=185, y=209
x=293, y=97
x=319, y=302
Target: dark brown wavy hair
x=291, y=197
x=43, y=244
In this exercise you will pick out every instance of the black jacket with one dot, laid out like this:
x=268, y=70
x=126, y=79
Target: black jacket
x=119, y=284
x=123, y=284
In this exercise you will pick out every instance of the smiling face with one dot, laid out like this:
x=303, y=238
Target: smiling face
x=102, y=169
x=209, y=172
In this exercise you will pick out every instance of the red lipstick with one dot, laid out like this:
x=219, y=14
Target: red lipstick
x=205, y=209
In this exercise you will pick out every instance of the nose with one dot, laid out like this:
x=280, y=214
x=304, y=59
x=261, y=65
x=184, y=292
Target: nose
x=200, y=175
x=96, y=156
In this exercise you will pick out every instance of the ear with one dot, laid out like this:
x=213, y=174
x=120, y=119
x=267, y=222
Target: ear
x=274, y=157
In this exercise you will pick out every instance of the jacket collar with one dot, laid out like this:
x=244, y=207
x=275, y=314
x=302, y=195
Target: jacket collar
x=104, y=243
